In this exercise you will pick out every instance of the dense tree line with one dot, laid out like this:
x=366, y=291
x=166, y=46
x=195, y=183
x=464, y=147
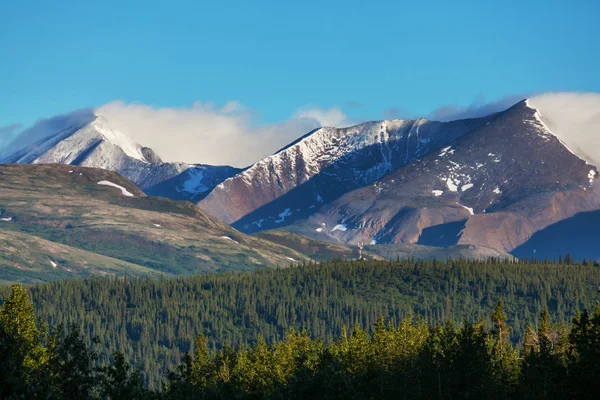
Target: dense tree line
x=413, y=360
x=154, y=322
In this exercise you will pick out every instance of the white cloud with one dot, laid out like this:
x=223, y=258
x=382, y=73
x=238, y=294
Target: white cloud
x=205, y=133
x=13, y=140
x=575, y=119
x=325, y=117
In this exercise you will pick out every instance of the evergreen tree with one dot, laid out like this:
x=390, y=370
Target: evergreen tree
x=23, y=356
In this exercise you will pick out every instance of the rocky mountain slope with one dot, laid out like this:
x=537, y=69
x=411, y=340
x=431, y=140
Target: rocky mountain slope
x=324, y=165
x=494, y=187
x=95, y=144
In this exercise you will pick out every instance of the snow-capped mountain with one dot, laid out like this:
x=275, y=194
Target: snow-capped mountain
x=323, y=165
x=492, y=181
x=95, y=144
x=494, y=187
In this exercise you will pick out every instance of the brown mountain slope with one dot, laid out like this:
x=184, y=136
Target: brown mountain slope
x=502, y=182
x=65, y=204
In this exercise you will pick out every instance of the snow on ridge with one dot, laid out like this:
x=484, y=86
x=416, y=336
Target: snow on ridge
x=326, y=145
x=124, y=142
x=574, y=119
x=123, y=190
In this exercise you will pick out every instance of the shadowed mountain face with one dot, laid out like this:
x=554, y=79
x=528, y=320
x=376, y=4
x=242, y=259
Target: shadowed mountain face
x=95, y=144
x=578, y=236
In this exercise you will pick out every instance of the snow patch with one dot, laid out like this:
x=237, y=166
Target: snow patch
x=6, y=219
x=591, y=176
x=444, y=151
x=54, y=265
x=373, y=241
x=319, y=230
x=340, y=227
x=123, y=190
x=228, y=238
x=467, y=208
x=193, y=183
x=291, y=259
x=466, y=187
x=437, y=193
x=497, y=191
x=157, y=225
x=451, y=185
x=286, y=213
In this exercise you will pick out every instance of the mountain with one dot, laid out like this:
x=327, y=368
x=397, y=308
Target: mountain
x=494, y=187
x=61, y=221
x=492, y=182
x=93, y=143
x=322, y=166
x=53, y=208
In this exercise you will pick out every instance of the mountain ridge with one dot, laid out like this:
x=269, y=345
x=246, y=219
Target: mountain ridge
x=95, y=144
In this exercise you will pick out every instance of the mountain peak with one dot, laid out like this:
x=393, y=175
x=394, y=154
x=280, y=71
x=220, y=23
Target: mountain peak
x=122, y=141
x=574, y=119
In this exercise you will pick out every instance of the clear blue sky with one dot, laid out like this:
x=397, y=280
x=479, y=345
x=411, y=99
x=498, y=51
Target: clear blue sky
x=277, y=56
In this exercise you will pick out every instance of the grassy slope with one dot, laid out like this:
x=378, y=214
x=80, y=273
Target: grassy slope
x=30, y=259
x=53, y=203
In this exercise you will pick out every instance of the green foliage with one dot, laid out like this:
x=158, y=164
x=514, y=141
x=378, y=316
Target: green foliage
x=154, y=322
x=410, y=360
x=22, y=354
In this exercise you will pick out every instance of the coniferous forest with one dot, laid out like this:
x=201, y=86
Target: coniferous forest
x=404, y=329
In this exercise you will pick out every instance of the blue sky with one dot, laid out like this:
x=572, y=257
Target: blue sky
x=370, y=59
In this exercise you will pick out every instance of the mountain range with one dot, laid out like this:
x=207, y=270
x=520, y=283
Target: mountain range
x=501, y=182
